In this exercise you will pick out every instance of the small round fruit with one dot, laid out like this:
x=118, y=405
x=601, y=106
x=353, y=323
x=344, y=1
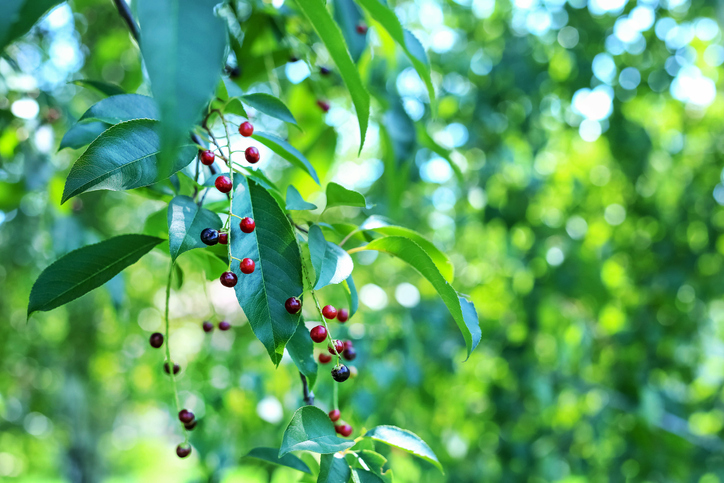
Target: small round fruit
x=334, y=415
x=185, y=416
x=228, y=279
x=361, y=29
x=318, y=333
x=252, y=154
x=156, y=340
x=223, y=184
x=183, y=450
x=176, y=368
x=247, y=266
x=340, y=373
x=246, y=129
x=293, y=59
x=224, y=238
x=190, y=426
x=346, y=344
x=353, y=372
x=210, y=236
x=323, y=105
x=337, y=345
x=207, y=326
x=349, y=354
x=247, y=224
x=343, y=315
x=293, y=305
x=325, y=358
x=207, y=157
x=344, y=430
x=324, y=70
x=224, y=325
x=329, y=312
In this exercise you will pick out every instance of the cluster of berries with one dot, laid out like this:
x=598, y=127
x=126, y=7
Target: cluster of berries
x=211, y=237
x=189, y=421
x=223, y=183
x=343, y=429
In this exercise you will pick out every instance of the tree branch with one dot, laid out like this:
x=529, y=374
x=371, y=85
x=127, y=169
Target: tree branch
x=125, y=12
x=308, y=395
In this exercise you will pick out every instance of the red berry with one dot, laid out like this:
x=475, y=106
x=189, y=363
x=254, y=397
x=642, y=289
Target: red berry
x=224, y=238
x=228, y=279
x=223, y=184
x=252, y=154
x=347, y=344
x=207, y=157
x=361, y=29
x=185, y=416
x=246, y=129
x=342, y=315
x=247, y=266
x=156, y=340
x=334, y=415
x=329, y=312
x=176, y=368
x=183, y=451
x=293, y=305
x=224, y=325
x=344, y=429
x=207, y=326
x=337, y=345
x=325, y=358
x=318, y=333
x=323, y=105
x=247, y=224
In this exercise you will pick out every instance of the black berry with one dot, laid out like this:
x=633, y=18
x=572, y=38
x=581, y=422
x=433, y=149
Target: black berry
x=228, y=279
x=323, y=105
x=340, y=373
x=349, y=354
x=183, y=451
x=324, y=70
x=293, y=305
x=190, y=426
x=176, y=368
x=224, y=325
x=186, y=416
x=210, y=236
x=156, y=340
x=207, y=326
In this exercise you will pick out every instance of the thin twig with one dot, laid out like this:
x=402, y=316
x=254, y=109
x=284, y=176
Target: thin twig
x=125, y=11
x=308, y=395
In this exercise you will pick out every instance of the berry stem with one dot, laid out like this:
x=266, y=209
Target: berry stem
x=308, y=395
x=168, y=347
x=335, y=397
x=350, y=235
x=355, y=250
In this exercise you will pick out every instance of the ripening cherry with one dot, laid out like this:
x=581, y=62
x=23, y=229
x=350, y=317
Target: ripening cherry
x=343, y=315
x=223, y=184
x=185, y=416
x=252, y=155
x=183, y=450
x=228, y=279
x=247, y=266
x=343, y=429
x=347, y=344
x=323, y=105
x=349, y=354
x=318, y=333
x=207, y=326
x=337, y=345
x=293, y=305
x=334, y=415
x=224, y=238
x=247, y=224
x=176, y=368
x=156, y=340
x=207, y=157
x=340, y=373
x=246, y=129
x=210, y=236
x=329, y=312
x=361, y=29
x=224, y=325
x=325, y=358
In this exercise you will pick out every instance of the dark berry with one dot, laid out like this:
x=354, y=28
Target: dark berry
x=183, y=451
x=349, y=354
x=344, y=429
x=343, y=315
x=323, y=105
x=340, y=373
x=337, y=345
x=293, y=59
x=223, y=184
x=252, y=154
x=228, y=279
x=293, y=305
x=247, y=266
x=324, y=70
x=329, y=312
x=185, y=416
x=247, y=224
x=325, y=358
x=210, y=236
x=334, y=415
x=207, y=157
x=207, y=326
x=190, y=426
x=224, y=238
x=224, y=325
x=347, y=344
x=246, y=129
x=234, y=72
x=318, y=334
x=361, y=29
x=176, y=368
x=156, y=340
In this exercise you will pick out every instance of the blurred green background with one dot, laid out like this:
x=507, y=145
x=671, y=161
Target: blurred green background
x=586, y=225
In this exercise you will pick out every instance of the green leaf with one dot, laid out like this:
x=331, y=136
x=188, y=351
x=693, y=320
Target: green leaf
x=82, y=134
x=85, y=269
x=404, y=440
x=462, y=311
x=102, y=87
x=330, y=34
x=124, y=107
x=18, y=16
x=286, y=151
x=338, y=195
x=311, y=430
x=301, y=350
x=122, y=158
x=409, y=43
x=183, y=45
x=348, y=15
x=296, y=202
x=186, y=220
x=270, y=106
x=272, y=455
x=278, y=272
x=234, y=106
x=351, y=291
x=331, y=263
x=333, y=470
x=363, y=476
x=373, y=460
